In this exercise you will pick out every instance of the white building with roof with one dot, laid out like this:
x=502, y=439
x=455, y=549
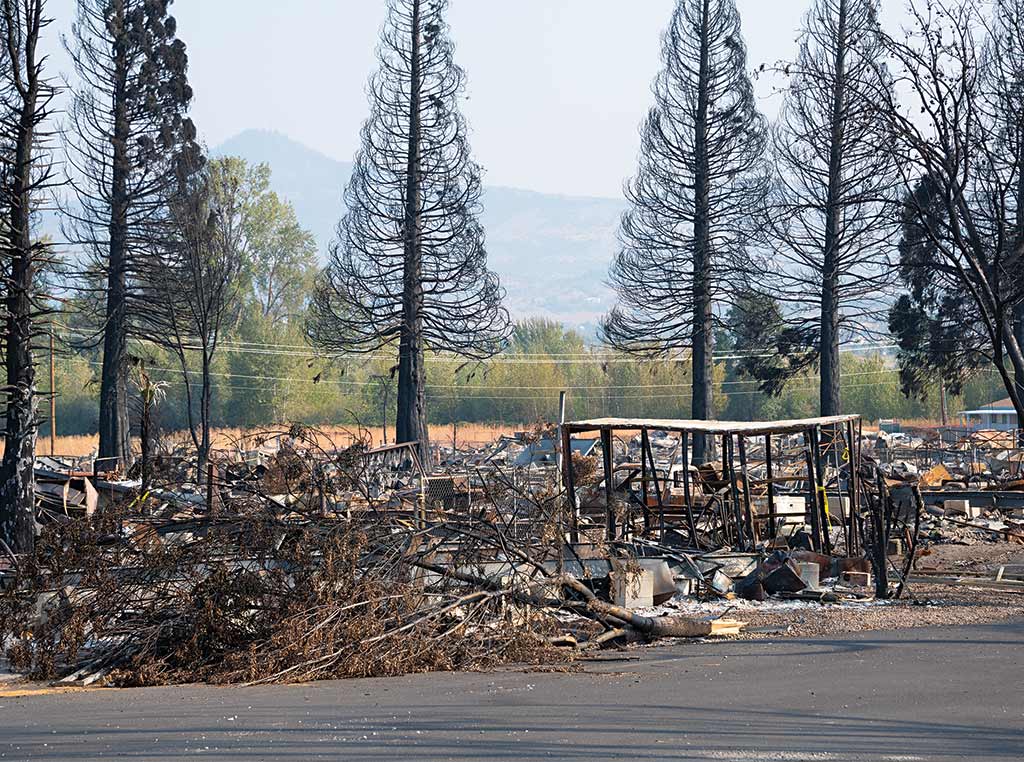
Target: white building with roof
x=995, y=416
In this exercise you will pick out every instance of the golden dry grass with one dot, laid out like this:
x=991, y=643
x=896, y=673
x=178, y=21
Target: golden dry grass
x=72, y=445
x=925, y=423
x=332, y=436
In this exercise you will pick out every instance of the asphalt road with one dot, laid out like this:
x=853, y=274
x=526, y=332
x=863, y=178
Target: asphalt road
x=926, y=694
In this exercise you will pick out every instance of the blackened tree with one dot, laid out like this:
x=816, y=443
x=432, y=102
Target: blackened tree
x=127, y=128
x=702, y=172
x=25, y=97
x=409, y=268
x=829, y=217
x=957, y=135
x=1003, y=70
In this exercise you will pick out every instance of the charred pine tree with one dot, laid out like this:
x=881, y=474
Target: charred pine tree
x=829, y=217
x=25, y=97
x=702, y=174
x=408, y=271
x=127, y=125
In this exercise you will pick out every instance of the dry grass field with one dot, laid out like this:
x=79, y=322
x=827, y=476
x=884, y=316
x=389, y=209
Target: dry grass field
x=467, y=434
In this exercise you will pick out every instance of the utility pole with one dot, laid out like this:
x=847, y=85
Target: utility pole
x=560, y=454
x=563, y=450
x=942, y=403
x=53, y=399
x=383, y=380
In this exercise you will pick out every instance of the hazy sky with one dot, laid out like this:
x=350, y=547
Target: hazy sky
x=557, y=88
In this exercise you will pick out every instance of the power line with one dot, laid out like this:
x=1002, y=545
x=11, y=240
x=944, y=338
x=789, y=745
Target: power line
x=602, y=397
x=589, y=398
x=584, y=358
x=464, y=387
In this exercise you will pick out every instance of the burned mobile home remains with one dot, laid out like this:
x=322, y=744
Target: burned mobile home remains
x=705, y=506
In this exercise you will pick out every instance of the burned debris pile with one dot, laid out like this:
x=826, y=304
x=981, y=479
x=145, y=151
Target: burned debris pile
x=289, y=559
x=972, y=484
x=297, y=563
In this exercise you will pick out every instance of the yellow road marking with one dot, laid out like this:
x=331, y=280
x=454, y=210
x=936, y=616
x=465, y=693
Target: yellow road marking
x=28, y=691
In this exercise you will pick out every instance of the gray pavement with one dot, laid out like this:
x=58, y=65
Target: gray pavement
x=901, y=696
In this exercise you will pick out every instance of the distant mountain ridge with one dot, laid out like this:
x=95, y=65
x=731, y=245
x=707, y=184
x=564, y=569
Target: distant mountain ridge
x=552, y=252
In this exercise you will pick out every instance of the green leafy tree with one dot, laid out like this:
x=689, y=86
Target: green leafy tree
x=280, y=255
x=938, y=333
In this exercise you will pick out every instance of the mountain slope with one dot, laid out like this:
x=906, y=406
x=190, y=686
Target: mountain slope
x=552, y=252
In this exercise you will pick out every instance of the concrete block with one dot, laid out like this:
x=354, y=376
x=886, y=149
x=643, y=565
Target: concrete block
x=856, y=579
x=790, y=505
x=956, y=507
x=632, y=589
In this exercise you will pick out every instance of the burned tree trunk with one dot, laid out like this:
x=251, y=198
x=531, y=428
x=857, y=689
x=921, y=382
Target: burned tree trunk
x=702, y=171
x=113, y=419
x=411, y=423
x=703, y=367
x=114, y=431
x=127, y=127
x=828, y=347
x=408, y=271
x=829, y=217
x=26, y=97
x=17, y=482
x=1018, y=310
x=205, y=419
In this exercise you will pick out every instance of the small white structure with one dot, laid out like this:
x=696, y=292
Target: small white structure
x=996, y=416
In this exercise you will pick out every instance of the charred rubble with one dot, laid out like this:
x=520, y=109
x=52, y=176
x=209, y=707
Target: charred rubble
x=290, y=559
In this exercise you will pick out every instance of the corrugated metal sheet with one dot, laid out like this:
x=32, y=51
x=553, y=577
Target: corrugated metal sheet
x=749, y=428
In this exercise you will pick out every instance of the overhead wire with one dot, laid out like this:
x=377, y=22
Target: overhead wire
x=517, y=358
x=463, y=387
x=594, y=397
